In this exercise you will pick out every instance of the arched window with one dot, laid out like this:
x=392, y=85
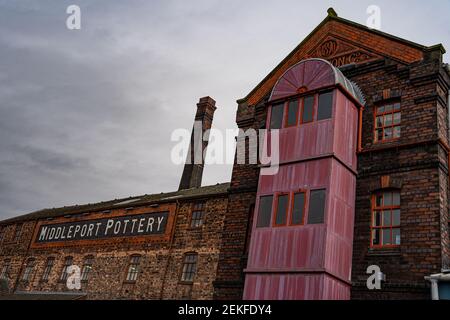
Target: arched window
x=385, y=224
x=133, y=268
x=87, y=268
x=189, y=267
x=29, y=267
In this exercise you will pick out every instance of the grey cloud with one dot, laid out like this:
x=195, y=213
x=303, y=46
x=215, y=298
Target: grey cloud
x=87, y=115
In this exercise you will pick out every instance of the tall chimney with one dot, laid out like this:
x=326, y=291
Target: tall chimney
x=193, y=169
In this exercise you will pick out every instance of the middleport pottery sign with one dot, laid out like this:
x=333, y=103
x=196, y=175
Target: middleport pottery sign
x=114, y=227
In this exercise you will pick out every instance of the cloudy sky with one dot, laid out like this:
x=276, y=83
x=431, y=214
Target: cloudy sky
x=86, y=115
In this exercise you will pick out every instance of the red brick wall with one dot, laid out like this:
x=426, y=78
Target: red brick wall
x=160, y=266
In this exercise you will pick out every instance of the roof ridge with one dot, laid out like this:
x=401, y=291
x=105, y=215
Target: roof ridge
x=116, y=203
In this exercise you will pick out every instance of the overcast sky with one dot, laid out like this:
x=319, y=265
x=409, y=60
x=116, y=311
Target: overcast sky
x=86, y=115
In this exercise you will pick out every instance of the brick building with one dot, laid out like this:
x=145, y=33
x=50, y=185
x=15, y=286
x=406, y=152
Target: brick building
x=200, y=249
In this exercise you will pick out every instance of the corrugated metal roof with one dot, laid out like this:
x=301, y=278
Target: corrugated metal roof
x=124, y=202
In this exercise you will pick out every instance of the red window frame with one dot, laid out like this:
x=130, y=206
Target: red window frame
x=313, y=108
x=392, y=126
x=274, y=213
x=286, y=113
x=391, y=208
x=299, y=115
x=291, y=207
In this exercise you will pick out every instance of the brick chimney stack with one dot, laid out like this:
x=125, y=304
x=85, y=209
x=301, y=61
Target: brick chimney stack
x=193, y=169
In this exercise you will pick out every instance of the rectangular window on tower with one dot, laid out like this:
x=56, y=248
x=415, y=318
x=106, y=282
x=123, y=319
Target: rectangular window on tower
x=282, y=210
x=277, y=115
x=316, y=210
x=325, y=108
x=265, y=211
x=292, y=113
x=308, y=109
x=298, y=209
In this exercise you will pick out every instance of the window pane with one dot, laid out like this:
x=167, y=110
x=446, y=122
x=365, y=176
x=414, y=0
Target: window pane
x=396, y=237
x=379, y=135
x=380, y=110
x=265, y=211
x=387, y=218
x=317, y=207
x=379, y=122
x=308, y=105
x=276, y=120
x=397, y=132
x=379, y=200
x=388, y=120
x=396, y=199
x=387, y=133
x=377, y=219
x=387, y=199
x=387, y=237
x=292, y=113
x=397, y=106
x=282, y=206
x=397, y=118
x=388, y=108
x=376, y=237
x=299, y=205
x=325, y=106
x=396, y=217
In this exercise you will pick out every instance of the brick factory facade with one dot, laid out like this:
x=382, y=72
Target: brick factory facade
x=203, y=242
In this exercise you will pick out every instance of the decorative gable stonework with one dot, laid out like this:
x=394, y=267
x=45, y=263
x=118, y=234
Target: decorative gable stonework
x=341, y=42
x=340, y=53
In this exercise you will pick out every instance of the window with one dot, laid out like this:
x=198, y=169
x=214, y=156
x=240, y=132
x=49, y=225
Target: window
x=197, y=215
x=265, y=211
x=87, y=268
x=64, y=273
x=133, y=268
x=2, y=233
x=292, y=113
x=387, y=122
x=189, y=267
x=18, y=232
x=276, y=119
x=325, y=106
x=282, y=210
x=298, y=208
x=308, y=109
x=4, y=275
x=385, y=226
x=317, y=207
x=28, y=269
x=48, y=268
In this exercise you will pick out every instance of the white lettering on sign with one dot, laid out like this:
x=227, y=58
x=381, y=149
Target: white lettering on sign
x=124, y=226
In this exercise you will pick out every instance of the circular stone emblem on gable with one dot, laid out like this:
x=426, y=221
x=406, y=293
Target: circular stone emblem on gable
x=328, y=48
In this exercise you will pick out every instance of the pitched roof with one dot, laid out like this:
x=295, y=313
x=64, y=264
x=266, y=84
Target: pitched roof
x=192, y=193
x=324, y=28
